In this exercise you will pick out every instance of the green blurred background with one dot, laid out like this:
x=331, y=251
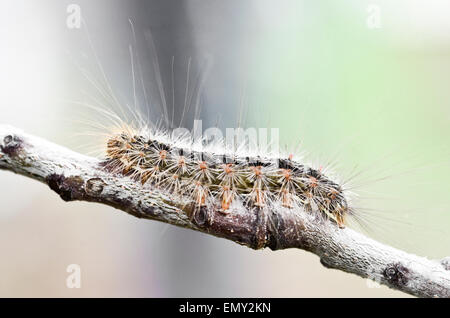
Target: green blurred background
x=362, y=83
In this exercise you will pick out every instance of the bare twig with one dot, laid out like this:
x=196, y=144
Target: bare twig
x=77, y=177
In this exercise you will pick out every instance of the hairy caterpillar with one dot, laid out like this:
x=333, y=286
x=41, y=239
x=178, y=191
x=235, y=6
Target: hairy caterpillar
x=212, y=179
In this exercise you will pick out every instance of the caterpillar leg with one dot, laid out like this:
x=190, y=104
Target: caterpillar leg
x=340, y=220
x=201, y=213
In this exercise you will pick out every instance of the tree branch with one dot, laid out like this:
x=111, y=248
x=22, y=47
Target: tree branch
x=77, y=177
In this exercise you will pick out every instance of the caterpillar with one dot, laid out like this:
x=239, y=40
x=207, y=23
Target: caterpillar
x=218, y=179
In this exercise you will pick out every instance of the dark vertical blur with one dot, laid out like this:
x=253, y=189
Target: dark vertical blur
x=186, y=256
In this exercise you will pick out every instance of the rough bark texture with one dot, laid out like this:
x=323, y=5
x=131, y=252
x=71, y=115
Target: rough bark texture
x=77, y=177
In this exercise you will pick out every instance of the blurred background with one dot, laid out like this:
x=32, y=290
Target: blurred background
x=364, y=83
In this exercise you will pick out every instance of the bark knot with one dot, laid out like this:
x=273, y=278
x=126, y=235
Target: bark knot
x=11, y=145
x=396, y=274
x=94, y=186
